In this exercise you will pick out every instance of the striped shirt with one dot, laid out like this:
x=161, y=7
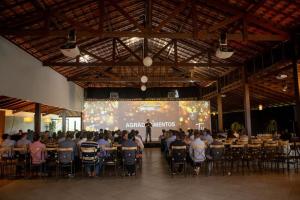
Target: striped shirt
x=87, y=156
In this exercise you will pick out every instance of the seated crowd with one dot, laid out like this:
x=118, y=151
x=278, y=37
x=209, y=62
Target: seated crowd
x=87, y=149
x=199, y=147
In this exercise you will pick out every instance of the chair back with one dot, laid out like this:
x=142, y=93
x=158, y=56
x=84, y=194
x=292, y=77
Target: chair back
x=178, y=153
x=20, y=153
x=65, y=155
x=111, y=154
x=217, y=151
x=5, y=152
x=89, y=154
x=129, y=155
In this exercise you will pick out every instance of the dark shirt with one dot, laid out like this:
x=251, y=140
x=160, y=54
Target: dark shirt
x=129, y=156
x=177, y=143
x=67, y=143
x=148, y=126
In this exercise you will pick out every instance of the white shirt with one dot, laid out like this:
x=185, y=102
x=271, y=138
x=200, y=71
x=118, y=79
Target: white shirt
x=139, y=142
x=23, y=142
x=197, y=150
x=170, y=140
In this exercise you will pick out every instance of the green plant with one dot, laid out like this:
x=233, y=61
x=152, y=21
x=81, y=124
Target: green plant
x=271, y=126
x=52, y=126
x=235, y=127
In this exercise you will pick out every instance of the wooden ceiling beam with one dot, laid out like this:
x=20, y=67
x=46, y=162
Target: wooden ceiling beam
x=125, y=14
x=93, y=55
x=201, y=35
x=137, y=80
x=130, y=51
x=192, y=57
x=172, y=15
x=138, y=64
x=162, y=49
x=225, y=7
x=24, y=108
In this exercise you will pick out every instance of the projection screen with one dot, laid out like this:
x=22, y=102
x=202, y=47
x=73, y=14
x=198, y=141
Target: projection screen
x=113, y=115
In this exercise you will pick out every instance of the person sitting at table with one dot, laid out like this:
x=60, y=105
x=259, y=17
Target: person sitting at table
x=23, y=142
x=207, y=136
x=191, y=134
x=89, y=163
x=37, y=150
x=171, y=139
x=82, y=138
x=179, y=141
x=138, y=141
x=7, y=143
x=52, y=141
x=197, y=152
x=102, y=142
x=129, y=156
x=162, y=139
x=68, y=143
x=61, y=136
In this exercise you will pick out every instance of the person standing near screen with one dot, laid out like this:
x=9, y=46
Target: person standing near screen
x=148, y=126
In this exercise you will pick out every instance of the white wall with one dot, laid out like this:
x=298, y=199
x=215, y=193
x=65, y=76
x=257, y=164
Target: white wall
x=23, y=76
x=15, y=122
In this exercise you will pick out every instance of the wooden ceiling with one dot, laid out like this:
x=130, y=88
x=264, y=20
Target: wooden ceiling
x=180, y=35
x=18, y=105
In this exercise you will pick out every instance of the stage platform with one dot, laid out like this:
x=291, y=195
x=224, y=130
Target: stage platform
x=155, y=144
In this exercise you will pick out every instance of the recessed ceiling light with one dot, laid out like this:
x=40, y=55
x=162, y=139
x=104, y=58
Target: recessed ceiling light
x=223, y=95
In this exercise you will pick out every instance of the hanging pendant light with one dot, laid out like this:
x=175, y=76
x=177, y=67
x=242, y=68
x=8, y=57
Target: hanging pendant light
x=144, y=79
x=143, y=88
x=147, y=61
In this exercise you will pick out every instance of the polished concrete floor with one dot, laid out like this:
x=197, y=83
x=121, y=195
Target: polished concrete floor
x=155, y=183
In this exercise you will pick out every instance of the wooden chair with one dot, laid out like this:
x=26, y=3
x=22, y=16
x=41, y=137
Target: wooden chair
x=88, y=157
x=178, y=159
x=216, y=162
x=111, y=159
x=129, y=157
x=253, y=156
x=51, y=160
x=237, y=157
x=200, y=149
x=20, y=160
x=37, y=161
x=5, y=161
x=65, y=160
x=270, y=155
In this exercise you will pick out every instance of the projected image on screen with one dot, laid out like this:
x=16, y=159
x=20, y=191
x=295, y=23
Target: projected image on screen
x=113, y=115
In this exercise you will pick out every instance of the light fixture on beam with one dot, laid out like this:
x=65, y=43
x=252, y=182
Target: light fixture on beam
x=70, y=48
x=260, y=107
x=281, y=76
x=144, y=79
x=223, y=51
x=147, y=61
x=143, y=88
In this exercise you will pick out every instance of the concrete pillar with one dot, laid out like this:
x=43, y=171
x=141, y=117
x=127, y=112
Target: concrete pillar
x=64, y=121
x=247, y=109
x=220, y=113
x=247, y=106
x=2, y=123
x=37, y=118
x=219, y=107
x=296, y=77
